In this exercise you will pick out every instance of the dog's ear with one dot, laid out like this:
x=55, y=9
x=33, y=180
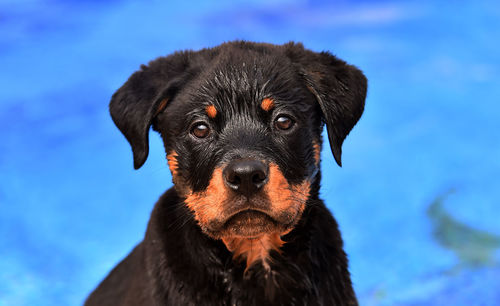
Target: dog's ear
x=339, y=88
x=145, y=94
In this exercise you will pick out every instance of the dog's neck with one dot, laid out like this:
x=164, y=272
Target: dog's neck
x=254, y=249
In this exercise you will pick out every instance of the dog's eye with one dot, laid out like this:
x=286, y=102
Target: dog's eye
x=283, y=123
x=200, y=130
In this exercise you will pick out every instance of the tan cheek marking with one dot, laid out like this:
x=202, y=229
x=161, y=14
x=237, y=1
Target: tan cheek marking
x=317, y=152
x=267, y=104
x=172, y=163
x=286, y=197
x=162, y=106
x=301, y=194
x=207, y=204
x=278, y=189
x=211, y=111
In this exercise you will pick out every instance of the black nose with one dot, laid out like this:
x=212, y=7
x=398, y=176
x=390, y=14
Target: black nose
x=246, y=176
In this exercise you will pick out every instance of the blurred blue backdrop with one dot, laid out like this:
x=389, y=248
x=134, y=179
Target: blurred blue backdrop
x=416, y=199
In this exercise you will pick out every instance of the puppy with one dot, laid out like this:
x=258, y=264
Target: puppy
x=243, y=224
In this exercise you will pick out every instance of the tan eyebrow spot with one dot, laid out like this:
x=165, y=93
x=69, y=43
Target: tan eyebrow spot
x=211, y=111
x=267, y=104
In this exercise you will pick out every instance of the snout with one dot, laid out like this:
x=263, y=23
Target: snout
x=248, y=197
x=246, y=176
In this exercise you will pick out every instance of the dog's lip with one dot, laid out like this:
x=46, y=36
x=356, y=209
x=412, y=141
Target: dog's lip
x=259, y=220
x=240, y=203
x=251, y=211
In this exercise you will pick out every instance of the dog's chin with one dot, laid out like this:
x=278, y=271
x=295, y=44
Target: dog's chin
x=247, y=224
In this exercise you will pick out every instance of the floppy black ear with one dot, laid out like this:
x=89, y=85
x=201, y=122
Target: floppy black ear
x=147, y=91
x=339, y=88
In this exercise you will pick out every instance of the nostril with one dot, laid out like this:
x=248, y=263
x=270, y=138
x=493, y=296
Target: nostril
x=258, y=177
x=232, y=179
x=235, y=180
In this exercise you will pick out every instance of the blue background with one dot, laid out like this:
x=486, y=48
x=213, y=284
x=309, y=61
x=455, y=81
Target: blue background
x=416, y=199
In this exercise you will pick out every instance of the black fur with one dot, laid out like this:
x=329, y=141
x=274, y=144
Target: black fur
x=181, y=261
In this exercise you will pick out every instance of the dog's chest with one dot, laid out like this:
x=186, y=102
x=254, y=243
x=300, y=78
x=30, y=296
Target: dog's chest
x=263, y=286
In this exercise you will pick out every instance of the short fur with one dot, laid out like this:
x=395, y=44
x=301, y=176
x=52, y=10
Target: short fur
x=211, y=240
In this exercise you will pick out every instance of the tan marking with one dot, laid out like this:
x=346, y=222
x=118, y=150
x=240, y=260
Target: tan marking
x=254, y=249
x=301, y=194
x=278, y=189
x=180, y=184
x=172, y=163
x=284, y=198
x=207, y=205
x=161, y=106
x=317, y=152
x=267, y=104
x=211, y=111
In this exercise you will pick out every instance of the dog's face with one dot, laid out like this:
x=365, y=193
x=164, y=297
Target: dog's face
x=243, y=141
x=241, y=125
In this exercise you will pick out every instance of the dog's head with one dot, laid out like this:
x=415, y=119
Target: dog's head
x=241, y=125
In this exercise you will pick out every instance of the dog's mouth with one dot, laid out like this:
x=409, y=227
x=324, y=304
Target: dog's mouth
x=249, y=223
x=276, y=208
x=252, y=219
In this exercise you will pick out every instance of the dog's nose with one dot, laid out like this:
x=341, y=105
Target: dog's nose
x=246, y=176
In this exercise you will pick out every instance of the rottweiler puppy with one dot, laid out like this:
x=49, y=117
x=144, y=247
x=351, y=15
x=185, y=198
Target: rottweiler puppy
x=243, y=225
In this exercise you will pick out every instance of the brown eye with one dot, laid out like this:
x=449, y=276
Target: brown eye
x=200, y=130
x=283, y=123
